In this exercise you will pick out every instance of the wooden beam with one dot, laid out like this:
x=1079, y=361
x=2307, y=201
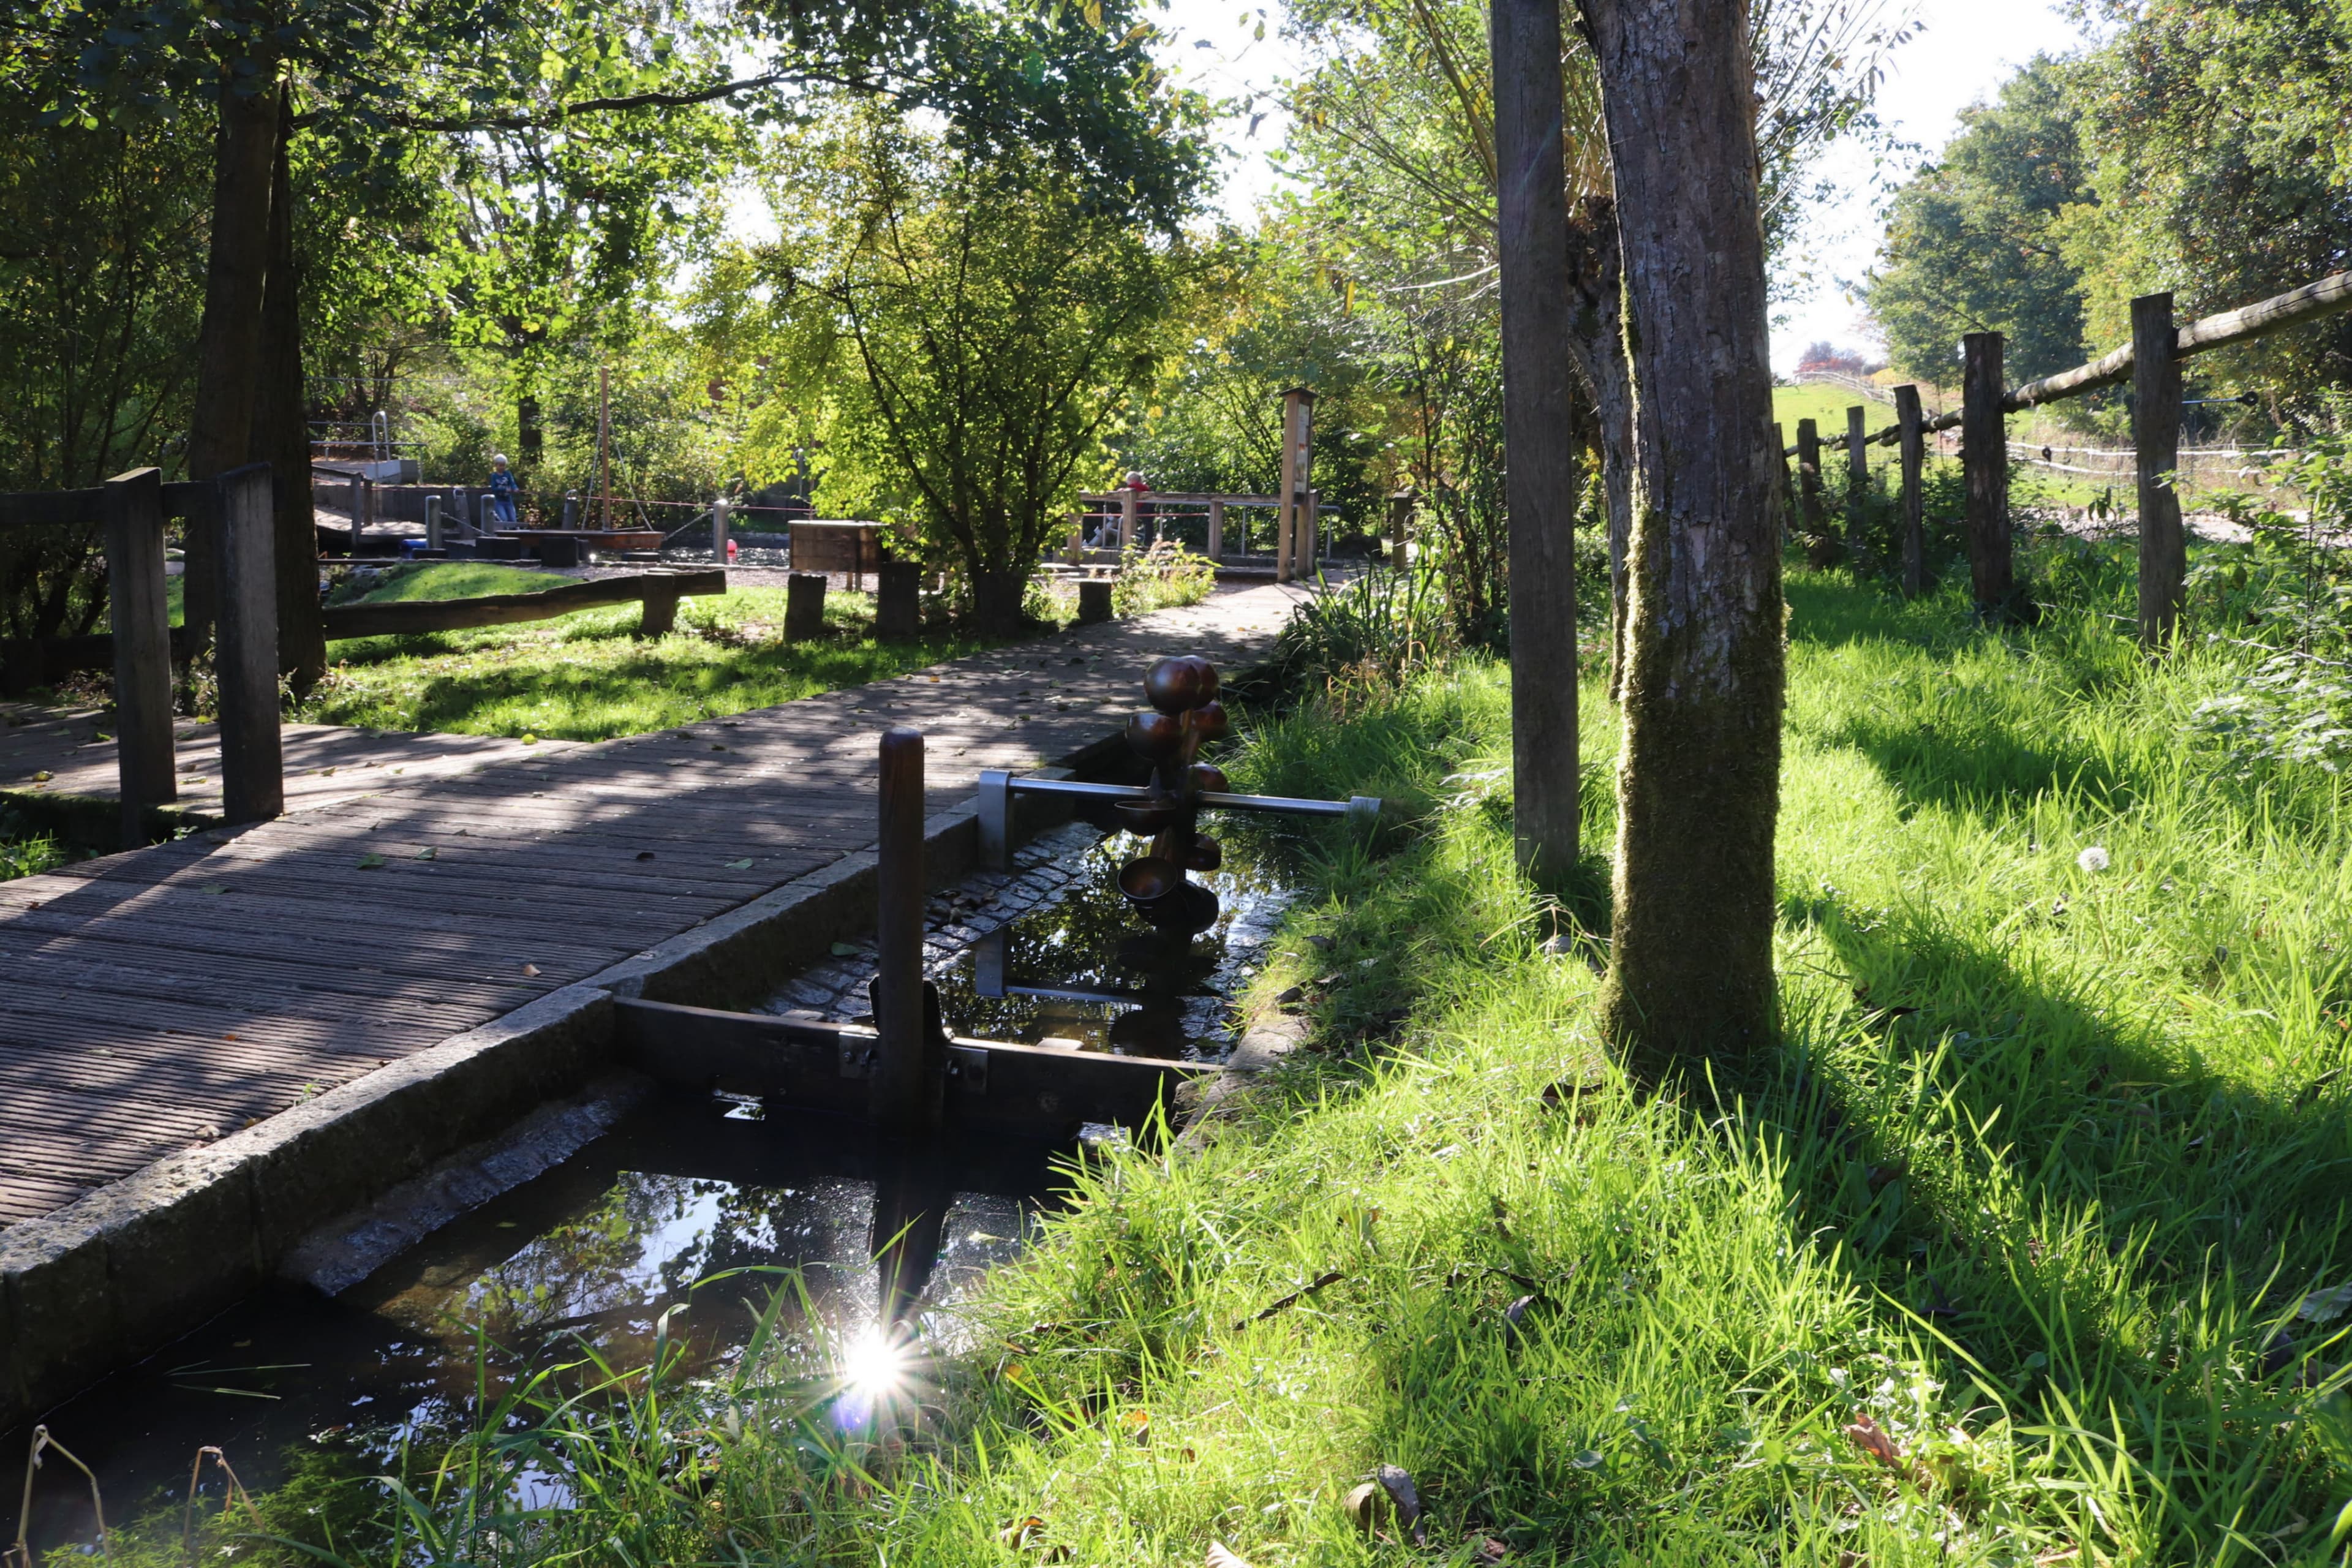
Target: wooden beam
x=505, y=609
x=992, y=1086
x=252, y=780
x=2312, y=302
x=142, y=645
x=2156, y=442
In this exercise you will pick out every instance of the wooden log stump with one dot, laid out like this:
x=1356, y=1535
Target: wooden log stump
x=804, y=606
x=898, y=601
x=1094, y=600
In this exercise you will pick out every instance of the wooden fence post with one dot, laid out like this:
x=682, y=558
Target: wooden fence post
x=1984, y=455
x=1912, y=445
x=1788, y=481
x=1401, y=527
x=433, y=521
x=1815, y=527
x=904, y=1090
x=1857, y=477
x=142, y=645
x=1128, y=504
x=2156, y=440
x=719, y=533
x=1078, y=538
x=253, y=776
x=1216, y=527
x=1298, y=448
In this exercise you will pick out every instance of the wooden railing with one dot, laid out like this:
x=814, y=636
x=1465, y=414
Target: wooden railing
x=2150, y=361
x=1297, y=538
x=132, y=508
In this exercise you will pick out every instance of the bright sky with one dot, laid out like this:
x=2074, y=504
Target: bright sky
x=1967, y=49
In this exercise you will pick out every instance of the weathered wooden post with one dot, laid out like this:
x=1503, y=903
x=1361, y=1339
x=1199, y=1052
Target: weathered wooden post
x=1077, y=554
x=1128, y=503
x=1298, y=448
x=1216, y=528
x=2156, y=440
x=133, y=509
x=897, y=601
x=1787, y=480
x=719, y=531
x=358, y=512
x=1808, y=491
x=1984, y=458
x=1310, y=538
x=253, y=776
x=433, y=521
x=1911, y=439
x=1094, y=600
x=1857, y=479
x=1401, y=507
x=804, y=606
x=905, y=1088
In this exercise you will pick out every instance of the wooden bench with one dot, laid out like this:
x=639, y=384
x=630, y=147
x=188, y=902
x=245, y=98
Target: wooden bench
x=659, y=592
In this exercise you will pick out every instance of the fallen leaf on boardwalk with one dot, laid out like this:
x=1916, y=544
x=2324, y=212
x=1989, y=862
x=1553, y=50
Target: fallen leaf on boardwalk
x=211, y=887
x=228, y=1037
x=645, y=854
x=428, y=853
x=1223, y=1556
x=530, y=740
x=530, y=969
x=326, y=772
x=1872, y=1439
x=743, y=865
x=43, y=777
x=843, y=949
x=369, y=862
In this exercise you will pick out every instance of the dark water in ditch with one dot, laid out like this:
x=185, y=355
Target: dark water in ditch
x=295, y=1387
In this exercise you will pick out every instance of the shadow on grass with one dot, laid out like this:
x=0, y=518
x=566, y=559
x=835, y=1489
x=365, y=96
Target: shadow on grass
x=2106, y=1236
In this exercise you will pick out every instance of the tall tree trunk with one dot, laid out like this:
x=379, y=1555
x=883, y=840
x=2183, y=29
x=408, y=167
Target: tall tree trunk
x=1698, y=782
x=228, y=338
x=1596, y=282
x=1541, y=478
x=282, y=432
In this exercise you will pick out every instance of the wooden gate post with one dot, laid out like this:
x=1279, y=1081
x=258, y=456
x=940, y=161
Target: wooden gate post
x=1216, y=528
x=253, y=775
x=2156, y=440
x=1297, y=447
x=1857, y=477
x=1808, y=492
x=804, y=606
x=133, y=509
x=903, y=1094
x=1911, y=443
x=1984, y=455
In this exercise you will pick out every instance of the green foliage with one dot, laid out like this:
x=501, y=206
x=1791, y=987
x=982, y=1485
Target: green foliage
x=979, y=327
x=25, y=852
x=1975, y=241
x=1160, y=577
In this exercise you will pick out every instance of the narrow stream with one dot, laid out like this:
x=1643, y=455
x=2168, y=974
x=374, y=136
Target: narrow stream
x=290, y=1384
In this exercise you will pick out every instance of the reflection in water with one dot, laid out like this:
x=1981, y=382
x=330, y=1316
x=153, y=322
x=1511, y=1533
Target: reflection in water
x=681, y=1220
x=1176, y=991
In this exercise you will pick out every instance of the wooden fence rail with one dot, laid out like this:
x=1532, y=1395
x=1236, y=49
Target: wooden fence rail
x=132, y=509
x=2151, y=361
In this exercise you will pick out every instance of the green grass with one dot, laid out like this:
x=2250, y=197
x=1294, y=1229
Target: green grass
x=2038, y=1186
x=587, y=676
x=25, y=852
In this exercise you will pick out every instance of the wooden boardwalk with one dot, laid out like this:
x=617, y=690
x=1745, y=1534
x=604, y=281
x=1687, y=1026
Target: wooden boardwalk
x=160, y=999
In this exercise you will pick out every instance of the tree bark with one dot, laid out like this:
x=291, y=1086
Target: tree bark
x=282, y=432
x=1596, y=287
x=1540, y=477
x=228, y=338
x=1698, y=779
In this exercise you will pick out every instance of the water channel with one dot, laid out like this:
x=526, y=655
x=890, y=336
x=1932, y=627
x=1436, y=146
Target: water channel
x=593, y=1252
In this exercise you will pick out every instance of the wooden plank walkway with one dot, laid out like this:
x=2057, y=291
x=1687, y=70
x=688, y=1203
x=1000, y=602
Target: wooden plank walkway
x=160, y=999
x=72, y=752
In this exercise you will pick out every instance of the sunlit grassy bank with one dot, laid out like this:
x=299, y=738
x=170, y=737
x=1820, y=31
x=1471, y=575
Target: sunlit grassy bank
x=2026, y=1247
x=587, y=676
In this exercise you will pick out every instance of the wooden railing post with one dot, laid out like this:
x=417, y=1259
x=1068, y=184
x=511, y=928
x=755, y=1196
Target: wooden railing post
x=1984, y=456
x=717, y=531
x=1216, y=527
x=1857, y=479
x=1078, y=538
x=143, y=646
x=904, y=1091
x=253, y=779
x=1808, y=492
x=1298, y=448
x=1127, y=505
x=2156, y=440
x=1912, y=445
x=433, y=521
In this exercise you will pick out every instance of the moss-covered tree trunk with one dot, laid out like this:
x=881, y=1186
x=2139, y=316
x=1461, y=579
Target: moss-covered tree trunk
x=282, y=432
x=1596, y=285
x=1698, y=782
